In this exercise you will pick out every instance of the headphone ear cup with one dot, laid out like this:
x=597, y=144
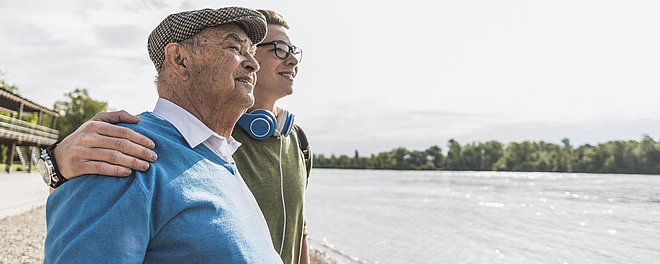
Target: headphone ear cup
x=285, y=123
x=259, y=124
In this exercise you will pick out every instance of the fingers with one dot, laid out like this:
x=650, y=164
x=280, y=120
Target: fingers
x=103, y=168
x=111, y=157
x=96, y=142
x=74, y=161
x=118, y=132
x=116, y=117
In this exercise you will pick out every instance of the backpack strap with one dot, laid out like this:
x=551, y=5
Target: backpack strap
x=303, y=144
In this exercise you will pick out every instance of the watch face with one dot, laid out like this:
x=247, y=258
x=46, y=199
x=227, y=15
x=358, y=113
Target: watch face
x=43, y=170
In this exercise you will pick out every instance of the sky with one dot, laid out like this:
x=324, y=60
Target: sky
x=377, y=75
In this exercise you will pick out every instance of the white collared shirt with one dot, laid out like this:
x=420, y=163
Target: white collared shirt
x=194, y=131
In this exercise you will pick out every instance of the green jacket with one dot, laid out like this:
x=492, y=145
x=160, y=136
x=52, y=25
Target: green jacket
x=258, y=164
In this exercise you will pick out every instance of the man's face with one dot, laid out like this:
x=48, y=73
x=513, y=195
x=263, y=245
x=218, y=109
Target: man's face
x=224, y=68
x=275, y=78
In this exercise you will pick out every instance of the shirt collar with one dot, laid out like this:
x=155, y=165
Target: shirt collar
x=192, y=129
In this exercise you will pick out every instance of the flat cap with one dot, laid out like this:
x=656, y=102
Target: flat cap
x=180, y=26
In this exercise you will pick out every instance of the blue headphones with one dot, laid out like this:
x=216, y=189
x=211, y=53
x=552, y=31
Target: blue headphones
x=261, y=124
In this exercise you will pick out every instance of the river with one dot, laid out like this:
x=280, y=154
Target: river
x=369, y=216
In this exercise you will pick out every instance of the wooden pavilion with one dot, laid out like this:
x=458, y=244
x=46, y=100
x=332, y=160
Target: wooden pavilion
x=22, y=137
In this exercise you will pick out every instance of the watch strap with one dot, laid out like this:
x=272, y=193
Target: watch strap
x=56, y=177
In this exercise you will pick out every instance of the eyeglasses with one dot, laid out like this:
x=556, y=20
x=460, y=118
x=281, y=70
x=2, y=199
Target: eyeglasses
x=282, y=50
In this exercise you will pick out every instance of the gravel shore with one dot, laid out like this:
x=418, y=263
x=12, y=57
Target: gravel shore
x=22, y=239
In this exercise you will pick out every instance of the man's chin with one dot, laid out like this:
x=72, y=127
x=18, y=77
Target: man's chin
x=249, y=102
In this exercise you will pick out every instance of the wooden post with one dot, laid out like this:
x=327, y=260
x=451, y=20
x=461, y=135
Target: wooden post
x=10, y=157
x=13, y=145
x=20, y=112
x=54, y=122
x=41, y=114
x=29, y=161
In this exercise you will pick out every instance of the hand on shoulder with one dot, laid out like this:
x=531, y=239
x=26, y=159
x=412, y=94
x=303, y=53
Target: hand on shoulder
x=100, y=147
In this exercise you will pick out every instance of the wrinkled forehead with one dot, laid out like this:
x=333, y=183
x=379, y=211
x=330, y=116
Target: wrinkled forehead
x=226, y=32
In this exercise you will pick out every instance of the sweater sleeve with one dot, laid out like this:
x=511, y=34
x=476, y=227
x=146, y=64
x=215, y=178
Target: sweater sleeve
x=98, y=219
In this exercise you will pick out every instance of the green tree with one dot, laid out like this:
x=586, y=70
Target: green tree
x=518, y=157
x=77, y=109
x=402, y=158
x=588, y=159
x=6, y=86
x=434, y=153
x=454, y=160
x=419, y=160
x=491, y=151
x=385, y=160
x=567, y=156
x=650, y=155
x=357, y=162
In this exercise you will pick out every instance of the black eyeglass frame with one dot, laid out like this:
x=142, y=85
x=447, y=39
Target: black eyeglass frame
x=292, y=49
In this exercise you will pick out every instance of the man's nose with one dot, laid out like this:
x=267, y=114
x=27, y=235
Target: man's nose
x=291, y=60
x=250, y=63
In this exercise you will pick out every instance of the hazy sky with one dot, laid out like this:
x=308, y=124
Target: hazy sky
x=381, y=74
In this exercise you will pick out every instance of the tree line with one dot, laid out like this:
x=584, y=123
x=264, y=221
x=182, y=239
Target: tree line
x=634, y=157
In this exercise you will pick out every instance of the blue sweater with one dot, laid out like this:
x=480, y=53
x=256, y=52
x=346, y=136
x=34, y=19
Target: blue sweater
x=189, y=207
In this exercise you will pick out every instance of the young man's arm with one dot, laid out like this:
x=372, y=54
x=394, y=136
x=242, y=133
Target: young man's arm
x=98, y=147
x=304, y=251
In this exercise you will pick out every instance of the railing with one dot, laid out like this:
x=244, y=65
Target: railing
x=26, y=132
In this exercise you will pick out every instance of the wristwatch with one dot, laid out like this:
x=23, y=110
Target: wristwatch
x=48, y=168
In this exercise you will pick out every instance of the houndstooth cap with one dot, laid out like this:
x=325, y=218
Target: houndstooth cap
x=180, y=26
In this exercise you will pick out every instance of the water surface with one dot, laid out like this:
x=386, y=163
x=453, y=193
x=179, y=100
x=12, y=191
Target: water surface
x=485, y=217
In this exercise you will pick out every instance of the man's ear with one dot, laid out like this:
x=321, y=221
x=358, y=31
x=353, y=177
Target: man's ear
x=177, y=58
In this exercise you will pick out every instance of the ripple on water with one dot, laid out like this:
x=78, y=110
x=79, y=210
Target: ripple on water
x=495, y=205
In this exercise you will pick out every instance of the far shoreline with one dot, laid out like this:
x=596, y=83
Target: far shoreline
x=484, y=171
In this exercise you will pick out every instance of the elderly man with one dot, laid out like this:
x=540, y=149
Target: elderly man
x=268, y=170
x=191, y=206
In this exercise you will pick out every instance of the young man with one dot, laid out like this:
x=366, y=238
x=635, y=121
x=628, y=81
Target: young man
x=192, y=205
x=274, y=167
